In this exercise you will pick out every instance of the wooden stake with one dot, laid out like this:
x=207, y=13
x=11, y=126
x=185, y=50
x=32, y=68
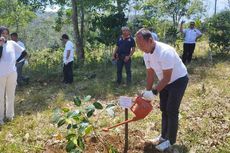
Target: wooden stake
x=126, y=132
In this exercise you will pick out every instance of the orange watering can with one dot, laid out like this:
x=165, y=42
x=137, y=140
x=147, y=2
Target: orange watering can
x=141, y=108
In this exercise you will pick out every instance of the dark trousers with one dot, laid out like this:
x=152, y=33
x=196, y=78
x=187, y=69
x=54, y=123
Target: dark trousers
x=68, y=72
x=187, y=53
x=170, y=99
x=120, y=64
x=19, y=72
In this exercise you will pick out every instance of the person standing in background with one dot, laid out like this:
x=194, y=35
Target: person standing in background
x=123, y=53
x=68, y=57
x=154, y=35
x=20, y=64
x=190, y=37
x=8, y=74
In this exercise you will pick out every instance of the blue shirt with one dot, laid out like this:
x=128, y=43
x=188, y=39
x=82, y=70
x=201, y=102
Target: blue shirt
x=125, y=45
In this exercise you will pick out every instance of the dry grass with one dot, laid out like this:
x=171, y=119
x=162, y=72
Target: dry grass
x=204, y=115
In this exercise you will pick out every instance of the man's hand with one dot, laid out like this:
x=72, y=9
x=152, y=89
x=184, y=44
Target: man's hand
x=126, y=58
x=115, y=56
x=2, y=40
x=148, y=95
x=65, y=62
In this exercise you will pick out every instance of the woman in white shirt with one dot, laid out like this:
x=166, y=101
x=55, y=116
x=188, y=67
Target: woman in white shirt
x=8, y=74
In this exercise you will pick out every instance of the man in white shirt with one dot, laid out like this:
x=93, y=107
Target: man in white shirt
x=20, y=64
x=162, y=60
x=190, y=36
x=68, y=57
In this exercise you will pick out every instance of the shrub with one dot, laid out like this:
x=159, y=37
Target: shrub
x=219, y=32
x=78, y=123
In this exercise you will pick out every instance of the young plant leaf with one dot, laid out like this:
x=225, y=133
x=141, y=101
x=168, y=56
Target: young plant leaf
x=70, y=136
x=75, y=126
x=88, y=130
x=61, y=122
x=73, y=113
x=70, y=146
x=87, y=98
x=69, y=126
x=90, y=113
x=90, y=107
x=110, y=111
x=110, y=105
x=77, y=101
x=65, y=110
x=112, y=149
x=97, y=105
x=83, y=126
x=80, y=143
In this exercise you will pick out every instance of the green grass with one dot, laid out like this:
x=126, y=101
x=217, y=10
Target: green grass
x=204, y=112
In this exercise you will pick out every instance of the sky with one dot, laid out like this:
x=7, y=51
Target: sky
x=221, y=5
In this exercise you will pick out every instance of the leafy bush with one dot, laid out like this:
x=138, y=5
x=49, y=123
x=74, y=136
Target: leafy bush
x=46, y=61
x=219, y=32
x=171, y=35
x=78, y=123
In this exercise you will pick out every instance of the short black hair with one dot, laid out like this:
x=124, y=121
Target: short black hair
x=145, y=33
x=14, y=34
x=2, y=28
x=65, y=36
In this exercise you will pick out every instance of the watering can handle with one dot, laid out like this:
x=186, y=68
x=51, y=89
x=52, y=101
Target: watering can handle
x=127, y=121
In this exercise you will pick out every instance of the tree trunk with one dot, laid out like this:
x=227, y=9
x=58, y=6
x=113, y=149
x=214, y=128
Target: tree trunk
x=77, y=36
x=215, y=7
x=82, y=29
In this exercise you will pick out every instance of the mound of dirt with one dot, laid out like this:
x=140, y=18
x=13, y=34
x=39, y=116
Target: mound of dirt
x=102, y=143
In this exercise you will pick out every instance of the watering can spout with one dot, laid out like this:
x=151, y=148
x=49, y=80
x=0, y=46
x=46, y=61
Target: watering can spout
x=141, y=108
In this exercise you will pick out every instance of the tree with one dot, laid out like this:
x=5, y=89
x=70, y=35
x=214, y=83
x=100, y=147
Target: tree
x=215, y=7
x=219, y=32
x=173, y=10
x=15, y=20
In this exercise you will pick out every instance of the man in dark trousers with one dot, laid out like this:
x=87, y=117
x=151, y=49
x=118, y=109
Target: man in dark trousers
x=163, y=61
x=190, y=36
x=68, y=57
x=123, y=53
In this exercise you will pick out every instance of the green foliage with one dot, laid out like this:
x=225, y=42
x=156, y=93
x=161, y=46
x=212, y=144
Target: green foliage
x=109, y=27
x=78, y=123
x=171, y=10
x=37, y=4
x=15, y=15
x=219, y=32
x=45, y=62
x=171, y=35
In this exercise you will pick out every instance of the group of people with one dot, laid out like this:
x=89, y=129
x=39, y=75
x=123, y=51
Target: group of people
x=163, y=61
x=12, y=58
x=125, y=47
x=160, y=59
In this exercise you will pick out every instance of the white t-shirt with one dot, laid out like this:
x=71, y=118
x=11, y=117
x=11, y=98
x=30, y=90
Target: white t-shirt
x=165, y=57
x=8, y=59
x=17, y=53
x=68, y=46
x=191, y=35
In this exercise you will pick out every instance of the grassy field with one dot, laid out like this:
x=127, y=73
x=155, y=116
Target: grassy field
x=204, y=115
